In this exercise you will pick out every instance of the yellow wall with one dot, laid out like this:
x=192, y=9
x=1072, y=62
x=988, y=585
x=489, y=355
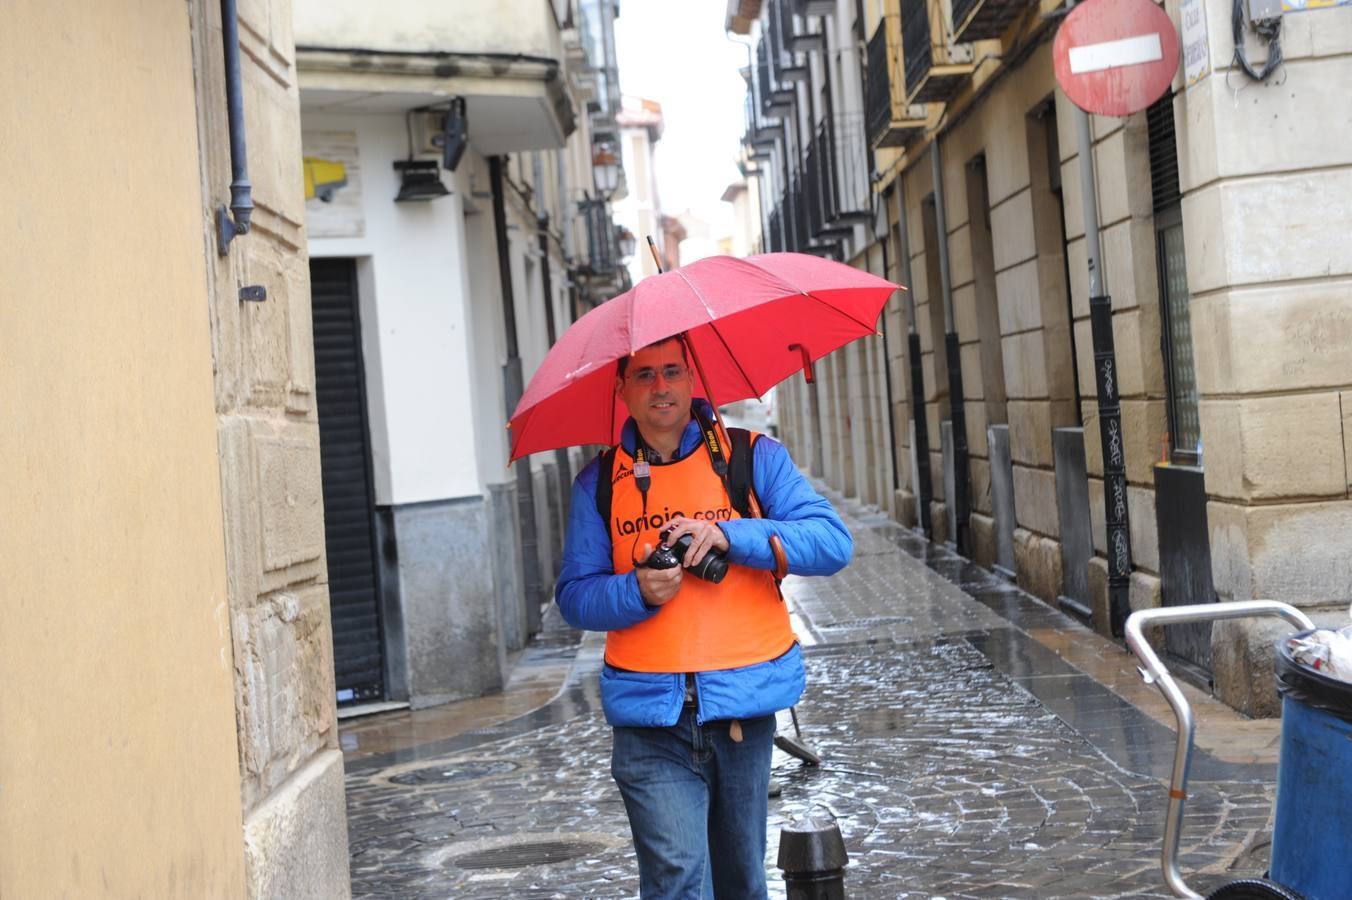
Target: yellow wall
x=118, y=762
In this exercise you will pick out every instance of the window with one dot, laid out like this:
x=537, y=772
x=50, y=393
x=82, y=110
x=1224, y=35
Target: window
x=1180, y=372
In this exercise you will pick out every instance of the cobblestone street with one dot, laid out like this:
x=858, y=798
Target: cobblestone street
x=961, y=758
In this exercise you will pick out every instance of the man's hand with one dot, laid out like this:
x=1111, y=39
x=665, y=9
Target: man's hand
x=657, y=586
x=704, y=535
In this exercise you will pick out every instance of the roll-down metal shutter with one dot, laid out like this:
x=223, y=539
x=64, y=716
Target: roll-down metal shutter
x=354, y=597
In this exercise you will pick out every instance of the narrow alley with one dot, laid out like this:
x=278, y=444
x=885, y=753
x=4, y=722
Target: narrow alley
x=975, y=743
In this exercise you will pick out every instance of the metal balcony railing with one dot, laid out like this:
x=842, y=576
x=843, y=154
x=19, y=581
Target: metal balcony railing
x=774, y=229
x=877, y=88
x=763, y=75
x=814, y=185
x=979, y=20
x=814, y=7
x=936, y=68
x=962, y=9
x=851, y=202
x=891, y=122
x=916, y=46
x=785, y=67
x=602, y=248
x=801, y=233
x=782, y=18
x=821, y=184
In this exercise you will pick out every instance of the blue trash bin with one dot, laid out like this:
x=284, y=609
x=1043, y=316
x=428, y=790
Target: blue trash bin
x=1312, y=837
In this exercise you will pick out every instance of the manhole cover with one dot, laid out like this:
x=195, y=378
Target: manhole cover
x=457, y=771
x=531, y=853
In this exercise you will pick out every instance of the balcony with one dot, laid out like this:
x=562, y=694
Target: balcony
x=601, y=74
x=596, y=263
x=979, y=20
x=802, y=207
x=786, y=67
x=774, y=102
x=759, y=140
x=815, y=7
x=799, y=37
x=505, y=57
x=891, y=122
x=935, y=68
x=598, y=253
x=773, y=238
x=850, y=201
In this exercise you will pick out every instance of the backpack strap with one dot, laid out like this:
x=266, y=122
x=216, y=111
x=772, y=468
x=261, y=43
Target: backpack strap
x=604, y=486
x=740, y=471
x=742, y=491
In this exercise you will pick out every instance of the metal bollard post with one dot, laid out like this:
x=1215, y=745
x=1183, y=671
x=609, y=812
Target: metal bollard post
x=812, y=857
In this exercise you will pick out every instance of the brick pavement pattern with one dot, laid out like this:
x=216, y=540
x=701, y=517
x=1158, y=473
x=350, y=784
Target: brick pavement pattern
x=947, y=777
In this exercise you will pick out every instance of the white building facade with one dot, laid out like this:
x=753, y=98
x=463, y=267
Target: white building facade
x=469, y=225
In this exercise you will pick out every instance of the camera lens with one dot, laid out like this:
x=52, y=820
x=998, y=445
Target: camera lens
x=712, y=568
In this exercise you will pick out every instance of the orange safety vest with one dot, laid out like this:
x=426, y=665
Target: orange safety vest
x=736, y=623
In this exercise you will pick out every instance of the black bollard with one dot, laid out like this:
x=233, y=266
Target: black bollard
x=812, y=857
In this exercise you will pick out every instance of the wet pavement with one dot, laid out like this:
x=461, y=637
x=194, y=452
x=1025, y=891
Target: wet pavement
x=975, y=743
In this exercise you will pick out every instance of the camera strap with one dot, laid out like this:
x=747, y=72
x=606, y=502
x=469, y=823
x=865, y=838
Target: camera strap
x=717, y=455
x=643, y=478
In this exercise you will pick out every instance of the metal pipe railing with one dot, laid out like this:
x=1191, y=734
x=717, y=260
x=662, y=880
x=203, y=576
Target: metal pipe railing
x=1155, y=672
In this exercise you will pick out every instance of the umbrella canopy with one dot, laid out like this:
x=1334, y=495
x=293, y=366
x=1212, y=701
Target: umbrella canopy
x=751, y=322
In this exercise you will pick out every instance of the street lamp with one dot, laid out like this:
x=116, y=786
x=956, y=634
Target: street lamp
x=605, y=171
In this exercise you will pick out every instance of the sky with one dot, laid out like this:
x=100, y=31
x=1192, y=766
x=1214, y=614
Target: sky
x=676, y=53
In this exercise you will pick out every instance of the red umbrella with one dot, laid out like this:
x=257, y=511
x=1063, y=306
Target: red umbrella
x=749, y=323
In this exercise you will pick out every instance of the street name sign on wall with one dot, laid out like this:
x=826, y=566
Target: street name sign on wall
x=1115, y=57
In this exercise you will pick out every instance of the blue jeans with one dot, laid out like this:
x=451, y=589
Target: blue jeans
x=697, y=803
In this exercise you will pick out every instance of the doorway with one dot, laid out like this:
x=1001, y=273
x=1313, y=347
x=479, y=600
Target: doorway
x=349, y=501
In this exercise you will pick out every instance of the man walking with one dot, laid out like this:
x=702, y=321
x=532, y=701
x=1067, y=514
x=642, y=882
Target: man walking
x=696, y=667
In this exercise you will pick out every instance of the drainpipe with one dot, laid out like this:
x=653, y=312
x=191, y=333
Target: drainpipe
x=956, y=412
x=512, y=388
x=887, y=359
x=547, y=288
x=1109, y=400
x=241, y=190
x=924, y=485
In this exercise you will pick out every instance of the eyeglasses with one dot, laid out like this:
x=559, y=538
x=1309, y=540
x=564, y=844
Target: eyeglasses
x=647, y=376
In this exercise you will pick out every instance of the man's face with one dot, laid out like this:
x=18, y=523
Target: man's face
x=656, y=387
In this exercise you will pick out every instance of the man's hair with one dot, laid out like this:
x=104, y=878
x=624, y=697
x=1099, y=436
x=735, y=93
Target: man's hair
x=622, y=364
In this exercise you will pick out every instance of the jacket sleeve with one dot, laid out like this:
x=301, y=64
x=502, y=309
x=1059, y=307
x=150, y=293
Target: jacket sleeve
x=816, y=541
x=589, y=593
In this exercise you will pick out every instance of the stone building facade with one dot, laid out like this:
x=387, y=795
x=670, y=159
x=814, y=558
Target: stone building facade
x=172, y=728
x=1219, y=214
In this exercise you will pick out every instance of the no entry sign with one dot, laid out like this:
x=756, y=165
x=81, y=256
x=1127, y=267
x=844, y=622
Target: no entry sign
x=1115, y=57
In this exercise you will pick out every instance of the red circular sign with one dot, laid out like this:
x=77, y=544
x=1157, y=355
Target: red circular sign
x=1115, y=57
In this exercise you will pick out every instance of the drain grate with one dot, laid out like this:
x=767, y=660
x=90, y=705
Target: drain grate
x=530, y=853
x=458, y=771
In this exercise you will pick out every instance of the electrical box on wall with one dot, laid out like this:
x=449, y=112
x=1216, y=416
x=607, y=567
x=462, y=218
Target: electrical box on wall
x=1264, y=9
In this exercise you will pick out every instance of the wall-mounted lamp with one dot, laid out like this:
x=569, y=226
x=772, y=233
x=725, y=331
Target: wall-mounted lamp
x=605, y=170
x=419, y=179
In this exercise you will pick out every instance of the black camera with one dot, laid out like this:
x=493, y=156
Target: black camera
x=712, y=568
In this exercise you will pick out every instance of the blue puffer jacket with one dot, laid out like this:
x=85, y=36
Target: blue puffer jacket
x=592, y=597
